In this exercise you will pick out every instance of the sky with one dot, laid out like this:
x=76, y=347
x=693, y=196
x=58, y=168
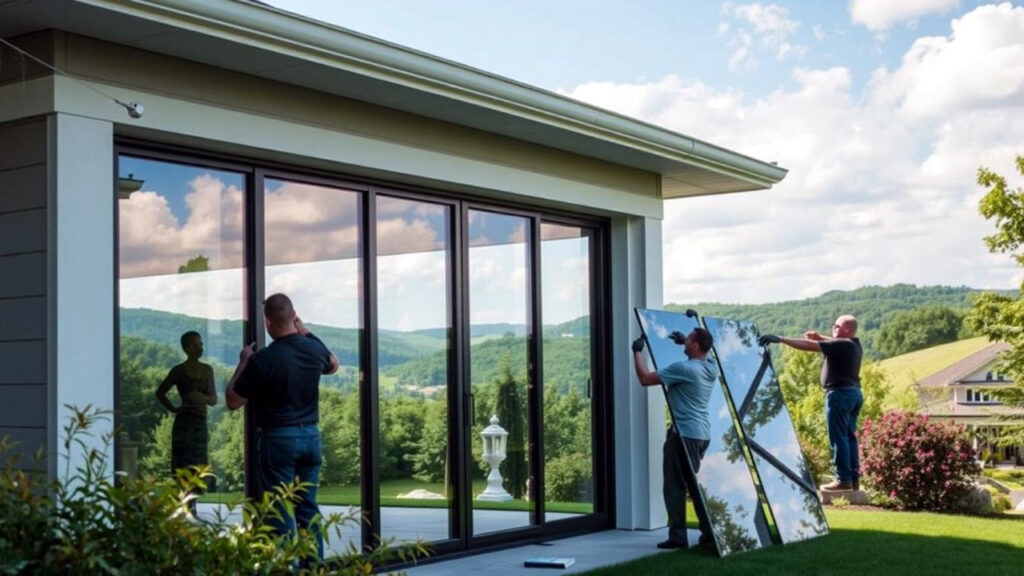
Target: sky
x=881, y=111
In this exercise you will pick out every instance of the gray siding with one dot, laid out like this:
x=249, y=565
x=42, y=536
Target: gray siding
x=23, y=261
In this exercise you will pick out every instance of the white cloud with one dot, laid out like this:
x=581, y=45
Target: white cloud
x=881, y=185
x=758, y=27
x=878, y=15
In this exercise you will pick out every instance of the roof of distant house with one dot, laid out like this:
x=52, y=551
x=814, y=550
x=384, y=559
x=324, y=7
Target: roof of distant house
x=959, y=370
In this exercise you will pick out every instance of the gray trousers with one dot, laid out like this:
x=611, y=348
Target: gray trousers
x=678, y=479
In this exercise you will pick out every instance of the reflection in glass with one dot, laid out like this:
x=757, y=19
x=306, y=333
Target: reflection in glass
x=181, y=309
x=498, y=301
x=727, y=485
x=565, y=297
x=784, y=472
x=313, y=254
x=415, y=320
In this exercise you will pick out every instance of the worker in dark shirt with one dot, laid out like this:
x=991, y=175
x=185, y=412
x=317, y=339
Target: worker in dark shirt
x=840, y=377
x=283, y=383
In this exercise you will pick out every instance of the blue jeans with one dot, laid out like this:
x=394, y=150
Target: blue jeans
x=842, y=406
x=282, y=455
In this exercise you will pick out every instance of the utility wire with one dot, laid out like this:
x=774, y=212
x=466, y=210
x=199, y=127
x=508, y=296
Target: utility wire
x=132, y=107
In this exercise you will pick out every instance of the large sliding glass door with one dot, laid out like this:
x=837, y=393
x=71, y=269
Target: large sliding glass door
x=457, y=324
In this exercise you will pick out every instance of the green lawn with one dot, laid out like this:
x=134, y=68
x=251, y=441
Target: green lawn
x=905, y=369
x=390, y=489
x=865, y=543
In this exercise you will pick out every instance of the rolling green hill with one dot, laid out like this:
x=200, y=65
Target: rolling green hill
x=906, y=369
x=872, y=305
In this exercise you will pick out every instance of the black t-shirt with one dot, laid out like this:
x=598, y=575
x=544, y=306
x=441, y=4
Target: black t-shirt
x=283, y=381
x=842, y=363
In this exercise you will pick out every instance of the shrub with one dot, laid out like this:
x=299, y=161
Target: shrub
x=83, y=523
x=1000, y=502
x=921, y=464
x=568, y=478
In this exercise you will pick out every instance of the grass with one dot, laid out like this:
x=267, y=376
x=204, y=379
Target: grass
x=863, y=543
x=349, y=495
x=904, y=370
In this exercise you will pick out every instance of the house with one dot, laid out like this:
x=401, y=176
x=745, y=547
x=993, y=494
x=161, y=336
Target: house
x=165, y=165
x=962, y=393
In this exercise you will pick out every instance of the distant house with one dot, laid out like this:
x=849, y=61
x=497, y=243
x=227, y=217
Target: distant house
x=962, y=393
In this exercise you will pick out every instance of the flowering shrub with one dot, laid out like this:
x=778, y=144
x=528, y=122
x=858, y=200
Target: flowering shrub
x=919, y=463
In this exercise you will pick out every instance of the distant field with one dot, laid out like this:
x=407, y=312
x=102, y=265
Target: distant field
x=906, y=369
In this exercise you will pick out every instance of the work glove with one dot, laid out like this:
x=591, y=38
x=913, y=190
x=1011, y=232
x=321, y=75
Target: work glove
x=769, y=339
x=677, y=337
x=638, y=344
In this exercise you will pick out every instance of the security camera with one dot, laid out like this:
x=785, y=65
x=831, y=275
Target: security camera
x=135, y=109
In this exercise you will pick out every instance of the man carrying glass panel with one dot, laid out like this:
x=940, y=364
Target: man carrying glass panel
x=688, y=387
x=283, y=381
x=840, y=377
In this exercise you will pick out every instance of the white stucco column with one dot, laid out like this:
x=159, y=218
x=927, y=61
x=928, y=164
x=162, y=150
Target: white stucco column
x=639, y=412
x=81, y=273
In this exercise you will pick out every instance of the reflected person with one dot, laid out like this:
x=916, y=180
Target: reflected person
x=688, y=386
x=194, y=383
x=283, y=383
x=840, y=377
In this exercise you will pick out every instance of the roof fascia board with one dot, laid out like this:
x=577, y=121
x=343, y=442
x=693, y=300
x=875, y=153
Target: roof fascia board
x=308, y=40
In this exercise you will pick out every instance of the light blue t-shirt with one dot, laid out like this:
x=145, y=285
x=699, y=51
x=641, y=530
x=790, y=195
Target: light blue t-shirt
x=689, y=384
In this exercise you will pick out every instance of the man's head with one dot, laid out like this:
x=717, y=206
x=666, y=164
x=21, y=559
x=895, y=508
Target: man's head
x=192, y=344
x=280, y=315
x=845, y=327
x=697, y=343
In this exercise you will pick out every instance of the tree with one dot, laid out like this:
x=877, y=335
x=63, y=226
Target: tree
x=198, y=264
x=918, y=329
x=998, y=316
x=510, y=408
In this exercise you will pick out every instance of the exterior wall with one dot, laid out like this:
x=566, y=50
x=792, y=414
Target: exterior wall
x=639, y=413
x=23, y=288
x=196, y=105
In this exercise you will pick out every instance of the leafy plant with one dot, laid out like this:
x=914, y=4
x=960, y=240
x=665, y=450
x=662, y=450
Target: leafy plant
x=569, y=478
x=840, y=502
x=85, y=523
x=920, y=463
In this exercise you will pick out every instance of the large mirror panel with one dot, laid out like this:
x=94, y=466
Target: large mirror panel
x=728, y=491
x=781, y=465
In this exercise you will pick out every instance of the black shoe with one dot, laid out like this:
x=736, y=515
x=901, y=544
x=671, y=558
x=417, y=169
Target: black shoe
x=673, y=545
x=706, y=540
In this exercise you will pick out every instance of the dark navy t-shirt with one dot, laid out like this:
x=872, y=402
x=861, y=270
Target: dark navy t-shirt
x=283, y=381
x=842, y=363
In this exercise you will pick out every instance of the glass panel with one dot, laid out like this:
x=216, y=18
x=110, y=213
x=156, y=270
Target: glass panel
x=784, y=472
x=568, y=444
x=182, y=320
x=727, y=486
x=498, y=304
x=415, y=320
x=313, y=254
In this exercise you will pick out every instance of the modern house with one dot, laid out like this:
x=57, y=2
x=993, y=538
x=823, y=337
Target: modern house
x=442, y=229
x=962, y=393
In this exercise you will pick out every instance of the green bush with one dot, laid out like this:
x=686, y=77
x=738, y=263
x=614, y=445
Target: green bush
x=83, y=523
x=1000, y=502
x=568, y=478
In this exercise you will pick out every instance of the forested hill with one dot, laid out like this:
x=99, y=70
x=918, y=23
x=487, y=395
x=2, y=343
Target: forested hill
x=872, y=305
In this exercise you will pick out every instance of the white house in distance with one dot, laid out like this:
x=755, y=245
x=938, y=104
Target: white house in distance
x=962, y=393
x=433, y=223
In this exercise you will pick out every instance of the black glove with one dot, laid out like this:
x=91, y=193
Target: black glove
x=769, y=339
x=638, y=344
x=691, y=313
x=677, y=337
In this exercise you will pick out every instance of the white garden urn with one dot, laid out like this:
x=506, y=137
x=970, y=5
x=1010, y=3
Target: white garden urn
x=495, y=439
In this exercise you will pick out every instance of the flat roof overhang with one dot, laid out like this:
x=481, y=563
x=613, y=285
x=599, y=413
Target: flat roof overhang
x=267, y=42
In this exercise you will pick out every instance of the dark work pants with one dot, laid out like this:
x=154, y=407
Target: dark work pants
x=842, y=407
x=678, y=479
x=285, y=454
